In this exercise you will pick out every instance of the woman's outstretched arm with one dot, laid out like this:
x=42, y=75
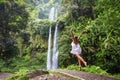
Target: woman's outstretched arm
x=72, y=34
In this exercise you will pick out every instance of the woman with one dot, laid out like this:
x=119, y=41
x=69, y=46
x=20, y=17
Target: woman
x=76, y=49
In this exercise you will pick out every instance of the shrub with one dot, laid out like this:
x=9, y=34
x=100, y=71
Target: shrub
x=20, y=75
x=95, y=69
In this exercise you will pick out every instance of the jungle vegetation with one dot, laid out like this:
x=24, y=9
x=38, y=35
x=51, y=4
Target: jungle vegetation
x=24, y=29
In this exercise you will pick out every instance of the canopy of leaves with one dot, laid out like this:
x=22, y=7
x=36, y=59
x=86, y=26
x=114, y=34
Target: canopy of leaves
x=13, y=19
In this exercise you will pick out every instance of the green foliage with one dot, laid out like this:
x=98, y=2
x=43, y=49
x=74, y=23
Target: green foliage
x=78, y=8
x=38, y=61
x=1, y=63
x=100, y=43
x=116, y=75
x=64, y=18
x=20, y=75
x=39, y=31
x=73, y=67
x=104, y=36
x=101, y=5
x=13, y=18
x=92, y=69
x=3, y=66
x=95, y=69
x=40, y=27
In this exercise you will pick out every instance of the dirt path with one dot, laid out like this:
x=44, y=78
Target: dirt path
x=72, y=75
x=64, y=75
x=3, y=76
x=85, y=75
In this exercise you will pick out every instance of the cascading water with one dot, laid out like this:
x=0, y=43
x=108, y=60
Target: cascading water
x=52, y=61
x=55, y=49
x=49, y=55
x=42, y=1
x=49, y=60
x=52, y=14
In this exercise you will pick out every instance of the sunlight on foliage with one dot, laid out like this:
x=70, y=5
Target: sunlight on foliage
x=72, y=67
x=95, y=69
x=20, y=75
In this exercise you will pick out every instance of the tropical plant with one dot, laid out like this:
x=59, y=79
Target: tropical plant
x=13, y=18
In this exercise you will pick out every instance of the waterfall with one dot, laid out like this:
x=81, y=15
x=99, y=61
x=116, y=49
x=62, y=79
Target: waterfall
x=52, y=59
x=49, y=55
x=55, y=49
x=42, y=1
x=52, y=14
x=49, y=60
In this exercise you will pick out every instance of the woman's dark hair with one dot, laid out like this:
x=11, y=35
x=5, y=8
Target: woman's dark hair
x=76, y=37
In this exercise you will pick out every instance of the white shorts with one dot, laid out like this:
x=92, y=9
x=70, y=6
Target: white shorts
x=76, y=51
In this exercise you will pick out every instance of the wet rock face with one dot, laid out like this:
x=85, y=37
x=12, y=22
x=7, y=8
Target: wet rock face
x=51, y=77
x=35, y=73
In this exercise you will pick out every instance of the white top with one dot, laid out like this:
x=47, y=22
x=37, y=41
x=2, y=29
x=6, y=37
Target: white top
x=76, y=49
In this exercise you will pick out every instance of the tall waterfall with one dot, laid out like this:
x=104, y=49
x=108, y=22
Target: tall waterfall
x=52, y=59
x=49, y=60
x=55, y=49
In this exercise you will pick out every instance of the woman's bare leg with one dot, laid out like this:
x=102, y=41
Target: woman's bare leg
x=81, y=59
x=80, y=64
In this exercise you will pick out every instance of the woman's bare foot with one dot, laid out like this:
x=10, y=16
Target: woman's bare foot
x=85, y=63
